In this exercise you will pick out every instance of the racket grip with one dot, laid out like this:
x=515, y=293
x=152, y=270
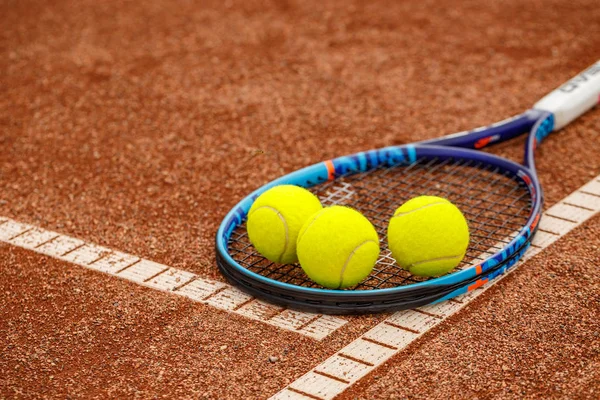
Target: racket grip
x=573, y=98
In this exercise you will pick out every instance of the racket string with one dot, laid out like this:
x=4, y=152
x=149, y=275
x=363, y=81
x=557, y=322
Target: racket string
x=496, y=205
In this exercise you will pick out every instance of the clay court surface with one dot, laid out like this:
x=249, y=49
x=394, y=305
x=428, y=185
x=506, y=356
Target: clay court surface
x=136, y=126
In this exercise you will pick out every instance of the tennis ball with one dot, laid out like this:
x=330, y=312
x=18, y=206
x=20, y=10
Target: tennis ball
x=275, y=219
x=337, y=247
x=428, y=236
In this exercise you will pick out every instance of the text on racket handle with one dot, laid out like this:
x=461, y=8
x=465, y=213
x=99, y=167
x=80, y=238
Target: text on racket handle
x=574, y=97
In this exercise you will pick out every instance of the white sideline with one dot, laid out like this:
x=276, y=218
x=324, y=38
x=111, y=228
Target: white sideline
x=165, y=278
x=363, y=355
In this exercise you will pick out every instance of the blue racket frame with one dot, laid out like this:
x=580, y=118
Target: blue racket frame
x=460, y=145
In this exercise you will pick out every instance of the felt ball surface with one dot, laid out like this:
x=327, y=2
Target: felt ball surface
x=275, y=219
x=338, y=247
x=428, y=236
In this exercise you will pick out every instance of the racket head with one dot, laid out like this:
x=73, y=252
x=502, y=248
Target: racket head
x=376, y=183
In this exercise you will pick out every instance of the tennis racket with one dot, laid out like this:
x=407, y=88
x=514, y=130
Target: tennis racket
x=501, y=199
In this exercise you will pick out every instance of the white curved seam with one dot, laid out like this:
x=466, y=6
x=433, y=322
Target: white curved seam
x=420, y=208
x=434, y=259
x=349, y=258
x=309, y=225
x=287, y=236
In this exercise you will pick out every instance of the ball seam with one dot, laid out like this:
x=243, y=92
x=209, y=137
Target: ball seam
x=434, y=259
x=287, y=236
x=349, y=258
x=400, y=214
x=303, y=232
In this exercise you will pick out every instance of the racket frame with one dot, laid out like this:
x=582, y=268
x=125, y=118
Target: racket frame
x=552, y=112
x=459, y=145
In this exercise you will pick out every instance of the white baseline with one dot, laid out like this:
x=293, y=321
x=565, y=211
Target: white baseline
x=165, y=278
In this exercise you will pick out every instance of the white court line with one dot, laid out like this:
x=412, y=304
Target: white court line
x=388, y=338
x=165, y=278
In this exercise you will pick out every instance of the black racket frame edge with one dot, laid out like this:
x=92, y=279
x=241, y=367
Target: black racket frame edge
x=369, y=303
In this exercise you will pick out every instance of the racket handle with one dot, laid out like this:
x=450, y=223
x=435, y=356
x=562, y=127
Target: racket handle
x=573, y=98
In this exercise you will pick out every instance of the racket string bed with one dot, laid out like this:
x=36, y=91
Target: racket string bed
x=495, y=204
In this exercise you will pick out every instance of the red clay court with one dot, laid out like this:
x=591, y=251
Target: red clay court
x=129, y=129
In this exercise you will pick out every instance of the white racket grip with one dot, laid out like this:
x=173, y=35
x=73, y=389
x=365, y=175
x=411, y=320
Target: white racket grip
x=573, y=98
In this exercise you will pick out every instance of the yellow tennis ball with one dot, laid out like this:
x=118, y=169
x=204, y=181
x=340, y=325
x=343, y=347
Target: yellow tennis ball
x=275, y=219
x=428, y=236
x=337, y=247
